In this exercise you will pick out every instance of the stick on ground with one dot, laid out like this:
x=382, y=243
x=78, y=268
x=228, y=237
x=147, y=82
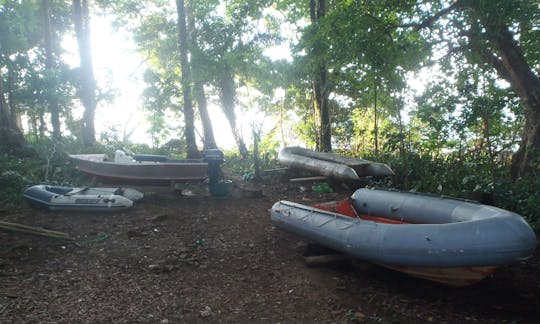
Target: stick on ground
x=33, y=230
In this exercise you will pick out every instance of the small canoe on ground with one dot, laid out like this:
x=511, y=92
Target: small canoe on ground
x=81, y=199
x=445, y=240
x=332, y=165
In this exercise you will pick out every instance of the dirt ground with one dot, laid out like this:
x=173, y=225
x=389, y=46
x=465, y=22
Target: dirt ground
x=177, y=259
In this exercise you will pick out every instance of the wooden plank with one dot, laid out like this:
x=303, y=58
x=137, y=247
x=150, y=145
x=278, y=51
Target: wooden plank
x=319, y=178
x=33, y=230
x=276, y=170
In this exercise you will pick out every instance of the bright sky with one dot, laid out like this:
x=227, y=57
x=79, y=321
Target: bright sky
x=118, y=66
x=117, y=62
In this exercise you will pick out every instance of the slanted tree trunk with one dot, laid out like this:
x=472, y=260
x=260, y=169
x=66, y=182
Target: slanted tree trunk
x=209, y=140
x=320, y=83
x=513, y=67
x=54, y=108
x=507, y=58
x=189, y=115
x=227, y=95
x=87, y=90
x=198, y=85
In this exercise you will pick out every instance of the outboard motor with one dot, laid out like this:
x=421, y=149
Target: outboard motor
x=214, y=158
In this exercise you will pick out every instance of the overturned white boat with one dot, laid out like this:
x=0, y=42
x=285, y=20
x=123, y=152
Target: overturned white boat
x=81, y=199
x=441, y=239
x=332, y=165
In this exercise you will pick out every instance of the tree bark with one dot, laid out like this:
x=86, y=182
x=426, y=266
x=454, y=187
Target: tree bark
x=189, y=115
x=227, y=95
x=50, y=65
x=87, y=91
x=320, y=82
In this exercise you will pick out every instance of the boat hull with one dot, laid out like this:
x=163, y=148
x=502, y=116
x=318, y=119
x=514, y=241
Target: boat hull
x=79, y=199
x=139, y=173
x=458, y=277
x=424, y=250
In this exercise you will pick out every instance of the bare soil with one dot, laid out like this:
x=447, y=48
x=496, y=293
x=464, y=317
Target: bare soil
x=177, y=259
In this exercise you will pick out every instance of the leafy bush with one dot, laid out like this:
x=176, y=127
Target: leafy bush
x=45, y=162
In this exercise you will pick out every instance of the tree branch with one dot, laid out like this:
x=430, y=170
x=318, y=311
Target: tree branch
x=497, y=63
x=431, y=20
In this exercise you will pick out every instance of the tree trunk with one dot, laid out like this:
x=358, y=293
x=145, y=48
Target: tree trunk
x=87, y=91
x=227, y=95
x=198, y=85
x=50, y=65
x=189, y=115
x=513, y=67
x=14, y=114
x=11, y=137
x=256, y=157
x=375, y=119
x=209, y=140
x=320, y=82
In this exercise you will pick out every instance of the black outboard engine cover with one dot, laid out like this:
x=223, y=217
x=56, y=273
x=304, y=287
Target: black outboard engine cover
x=214, y=158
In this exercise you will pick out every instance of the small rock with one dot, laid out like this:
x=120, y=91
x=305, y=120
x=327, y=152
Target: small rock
x=168, y=268
x=136, y=233
x=159, y=218
x=359, y=316
x=161, y=267
x=206, y=311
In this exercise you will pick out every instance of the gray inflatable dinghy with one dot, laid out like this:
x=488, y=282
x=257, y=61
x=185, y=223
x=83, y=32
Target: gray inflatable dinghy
x=332, y=165
x=442, y=239
x=81, y=199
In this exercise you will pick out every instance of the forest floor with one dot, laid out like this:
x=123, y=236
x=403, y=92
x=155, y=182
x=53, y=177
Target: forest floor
x=200, y=259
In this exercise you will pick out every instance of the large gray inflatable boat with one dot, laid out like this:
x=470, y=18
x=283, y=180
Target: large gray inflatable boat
x=441, y=239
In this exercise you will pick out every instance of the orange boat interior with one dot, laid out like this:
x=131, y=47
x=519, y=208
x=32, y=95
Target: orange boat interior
x=345, y=208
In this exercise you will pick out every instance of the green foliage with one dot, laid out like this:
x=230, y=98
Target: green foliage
x=46, y=162
x=13, y=181
x=235, y=165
